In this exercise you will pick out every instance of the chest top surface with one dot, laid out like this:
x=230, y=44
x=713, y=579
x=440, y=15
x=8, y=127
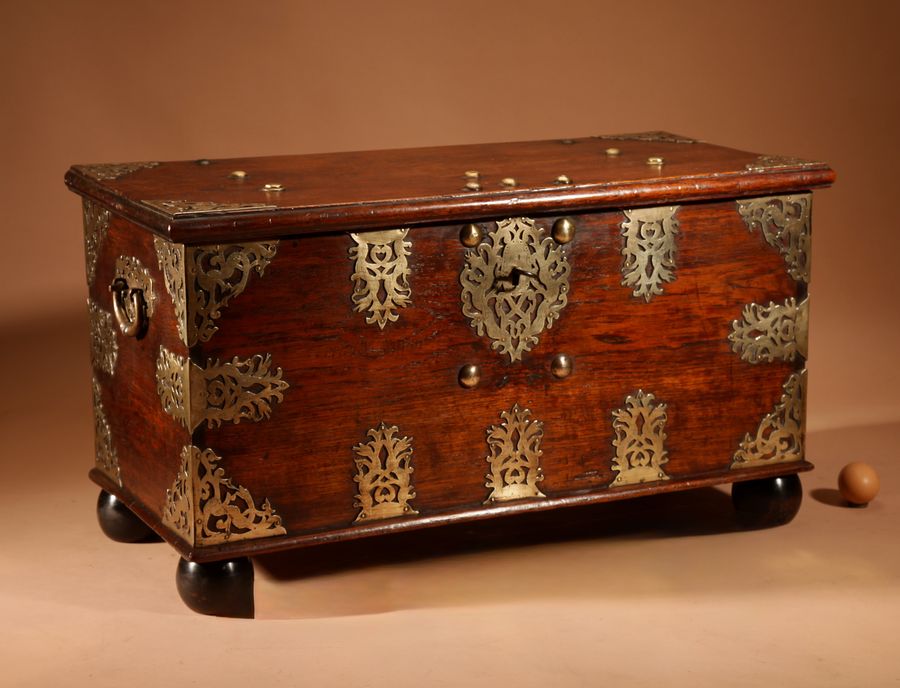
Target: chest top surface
x=205, y=201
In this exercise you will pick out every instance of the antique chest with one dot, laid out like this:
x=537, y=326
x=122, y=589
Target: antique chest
x=301, y=349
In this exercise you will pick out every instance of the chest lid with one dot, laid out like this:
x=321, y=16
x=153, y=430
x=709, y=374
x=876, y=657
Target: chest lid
x=206, y=201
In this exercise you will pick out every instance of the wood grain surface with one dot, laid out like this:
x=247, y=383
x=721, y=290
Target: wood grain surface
x=371, y=189
x=346, y=376
x=148, y=443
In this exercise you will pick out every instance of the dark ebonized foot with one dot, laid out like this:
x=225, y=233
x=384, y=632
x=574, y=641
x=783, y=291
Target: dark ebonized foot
x=768, y=501
x=218, y=588
x=119, y=523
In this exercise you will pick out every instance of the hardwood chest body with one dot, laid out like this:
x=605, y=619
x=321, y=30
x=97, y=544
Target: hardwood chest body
x=293, y=350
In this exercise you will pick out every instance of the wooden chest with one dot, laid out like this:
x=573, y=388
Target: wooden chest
x=293, y=350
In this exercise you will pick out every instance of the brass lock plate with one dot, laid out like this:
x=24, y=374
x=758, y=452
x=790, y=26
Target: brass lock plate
x=514, y=286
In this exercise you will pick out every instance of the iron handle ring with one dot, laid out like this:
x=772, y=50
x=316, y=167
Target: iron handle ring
x=121, y=291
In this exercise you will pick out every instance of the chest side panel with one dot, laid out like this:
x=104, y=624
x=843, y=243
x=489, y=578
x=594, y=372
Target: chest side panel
x=137, y=444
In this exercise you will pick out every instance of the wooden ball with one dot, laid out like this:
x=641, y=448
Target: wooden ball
x=858, y=483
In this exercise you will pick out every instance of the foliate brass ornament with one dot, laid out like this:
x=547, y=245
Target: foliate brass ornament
x=96, y=226
x=777, y=332
x=178, y=208
x=649, y=249
x=765, y=163
x=105, y=455
x=514, y=456
x=214, y=275
x=178, y=512
x=206, y=508
x=650, y=137
x=381, y=273
x=384, y=474
x=104, y=346
x=170, y=257
x=640, y=429
x=779, y=437
x=173, y=386
x=785, y=224
x=109, y=171
x=514, y=286
x=242, y=389
x=202, y=280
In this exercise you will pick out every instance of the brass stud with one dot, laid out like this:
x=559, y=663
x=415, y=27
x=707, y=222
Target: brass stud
x=469, y=376
x=273, y=187
x=612, y=152
x=238, y=174
x=508, y=181
x=657, y=162
x=563, y=179
x=470, y=235
x=561, y=366
x=473, y=186
x=563, y=230
x=472, y=174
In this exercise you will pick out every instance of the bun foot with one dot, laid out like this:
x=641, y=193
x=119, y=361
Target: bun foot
x=218, y=588
x=119, y=523
x=768, y=501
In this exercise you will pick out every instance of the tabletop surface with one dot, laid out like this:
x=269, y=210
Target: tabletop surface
x=214, y=200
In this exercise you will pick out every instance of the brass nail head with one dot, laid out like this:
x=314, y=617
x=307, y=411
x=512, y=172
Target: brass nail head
x=473, y=186
x=469, y=376
x=238, y=174
x=273, y=187
x=563, y=230
x=508, y=181
x=470, y=236
x=657, y=162
x=561, y=366
x=613, y=152
x=563, y=179
x=472, y=174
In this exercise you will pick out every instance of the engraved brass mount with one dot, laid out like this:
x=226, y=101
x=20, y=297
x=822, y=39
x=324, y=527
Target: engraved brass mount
x=205, y=507
x=179, y=208
x=780, y=435
x=104, y=346
x=777, y=332
x=203, y=279
x=649, y=249
x=640, y=436
x=96, y=226
x=381, y=274
x=514, y=286
x=785, y=225
x=105, y=456
x=240, y=389
x=514, y=456
x=111, y=171
x=384, y=474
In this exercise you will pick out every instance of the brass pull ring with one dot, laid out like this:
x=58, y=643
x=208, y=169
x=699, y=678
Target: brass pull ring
x=131, y=316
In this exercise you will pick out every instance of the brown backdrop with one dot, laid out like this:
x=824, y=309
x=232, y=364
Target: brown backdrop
x=114, y=81
x=643, y=592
